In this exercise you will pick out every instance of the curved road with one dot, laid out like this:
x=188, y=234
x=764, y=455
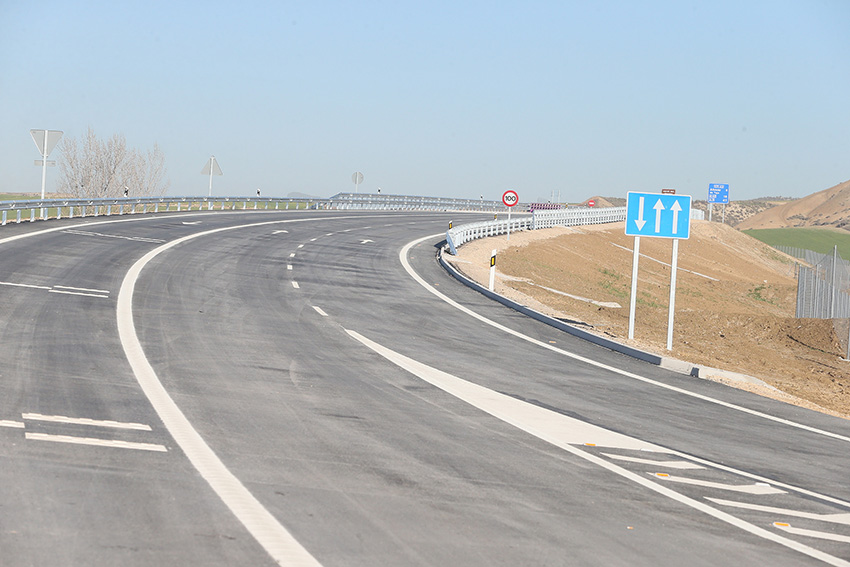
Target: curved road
x=311, y=388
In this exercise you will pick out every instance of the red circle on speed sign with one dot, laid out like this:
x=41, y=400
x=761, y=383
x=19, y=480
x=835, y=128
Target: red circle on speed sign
x=591, y=203
x=510, y=198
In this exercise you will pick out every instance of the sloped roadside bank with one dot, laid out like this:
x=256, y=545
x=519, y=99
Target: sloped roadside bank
x=734, y=304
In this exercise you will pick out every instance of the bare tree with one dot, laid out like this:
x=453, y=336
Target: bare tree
x=92, y=168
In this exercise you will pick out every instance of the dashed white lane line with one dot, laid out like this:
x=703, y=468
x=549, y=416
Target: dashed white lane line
x=295, y=285
x=812, y=533
x=566, y=432
x=85, y=421
x=319, y=311
x=25, y=285
x=757, y=488
x=831, y=518
x=78, y=293
x=84, y=289
x=680, y=465
x=292, y=255
x=311, y=240
x=96, y=442
x=289, y=266
x=300, y=246
x=260, y=523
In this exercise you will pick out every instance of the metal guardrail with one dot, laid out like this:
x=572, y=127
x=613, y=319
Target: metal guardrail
x=457, y=236
x=44, y=209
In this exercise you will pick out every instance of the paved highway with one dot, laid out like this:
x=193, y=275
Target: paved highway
x=311, y=388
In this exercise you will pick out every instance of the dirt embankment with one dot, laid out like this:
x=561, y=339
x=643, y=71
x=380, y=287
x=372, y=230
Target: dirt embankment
x=734, y=303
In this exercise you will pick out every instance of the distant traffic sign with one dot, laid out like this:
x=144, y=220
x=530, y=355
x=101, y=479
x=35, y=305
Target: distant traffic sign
x=658, y=215
x=718, y=193
x=510, y=198
x=591, y=203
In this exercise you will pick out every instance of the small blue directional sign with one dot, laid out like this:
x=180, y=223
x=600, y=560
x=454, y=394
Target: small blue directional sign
x=718, y=193
x=658, y=215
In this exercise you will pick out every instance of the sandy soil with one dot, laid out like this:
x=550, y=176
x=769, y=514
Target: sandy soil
x=734, y=302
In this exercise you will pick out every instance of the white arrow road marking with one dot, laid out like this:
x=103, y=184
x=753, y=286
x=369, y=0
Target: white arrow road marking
x=566, y=432
x=659, y=206
x=639, y=221
x=676, y=208
x=812, y=533
x=758, y=488
x=831, y=518
x=681, y=465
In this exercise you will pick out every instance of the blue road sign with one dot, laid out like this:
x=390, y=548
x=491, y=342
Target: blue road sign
x=718, y=193
x=658, y=215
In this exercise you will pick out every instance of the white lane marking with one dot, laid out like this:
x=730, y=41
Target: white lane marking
x=366, y=241
x=102, y=235
x=812, y=533
x=292, y=255
x=456, y=305
x=81, y=289
x=25, y=285
x=329, y=234
x=262, y=525
x=114, y=443
x=319, y=311
x=681, y=465
x=86, y=421
x=843, y=518
x=289, y=266
x=758, y=488
x=12, y=424
x=280, y=231
x=295, y=285
x=301, y=245
x=192, y=222
x=535, y=423
x=78, y=293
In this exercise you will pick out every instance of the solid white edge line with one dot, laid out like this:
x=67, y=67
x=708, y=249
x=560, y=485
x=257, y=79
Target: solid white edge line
x=25, y=285
x=113, y=443
x=427, y=286
x=532, y=428
x=412, y=273
x=262, y=525
x=12, y=424
x=812, y=533
x=85, y=421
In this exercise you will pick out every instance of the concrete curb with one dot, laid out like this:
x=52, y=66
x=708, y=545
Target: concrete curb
x=667, y=363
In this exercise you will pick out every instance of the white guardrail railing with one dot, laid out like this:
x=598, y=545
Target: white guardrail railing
x=457, y=236
x=44, y=209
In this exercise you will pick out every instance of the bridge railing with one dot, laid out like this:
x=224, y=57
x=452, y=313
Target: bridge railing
x=577, y=216
x=43, y=209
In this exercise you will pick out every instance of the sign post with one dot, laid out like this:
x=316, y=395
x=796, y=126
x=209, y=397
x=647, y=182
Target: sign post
x=510, y=199
x=718, y=193
x=657, y=215
x=45, y=141
x=211, y=168
x=357, y=179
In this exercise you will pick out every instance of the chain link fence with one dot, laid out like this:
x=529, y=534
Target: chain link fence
x=823, y=290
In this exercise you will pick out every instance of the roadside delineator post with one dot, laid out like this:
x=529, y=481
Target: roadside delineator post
x=492, y=271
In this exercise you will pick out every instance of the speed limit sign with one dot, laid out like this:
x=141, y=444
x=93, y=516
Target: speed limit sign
x=510, y=198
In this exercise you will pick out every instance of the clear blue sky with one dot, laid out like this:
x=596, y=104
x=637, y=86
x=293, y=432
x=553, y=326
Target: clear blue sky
x=446, y=98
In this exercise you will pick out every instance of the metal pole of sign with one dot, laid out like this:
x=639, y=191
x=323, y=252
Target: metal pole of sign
x=723, y=218
x=710, y=210
x=675, y=264
x=633, y=298
x=509, y=225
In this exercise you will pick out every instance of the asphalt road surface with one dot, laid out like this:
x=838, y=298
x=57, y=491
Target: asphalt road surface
x=311, y=388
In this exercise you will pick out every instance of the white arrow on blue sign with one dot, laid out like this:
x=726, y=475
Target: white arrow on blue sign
x=658, y=215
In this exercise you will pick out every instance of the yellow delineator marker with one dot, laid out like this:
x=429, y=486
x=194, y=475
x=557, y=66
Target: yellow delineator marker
x=492, y=271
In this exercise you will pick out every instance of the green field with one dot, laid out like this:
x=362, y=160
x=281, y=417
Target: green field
x=17, y=197
x=818, y=239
